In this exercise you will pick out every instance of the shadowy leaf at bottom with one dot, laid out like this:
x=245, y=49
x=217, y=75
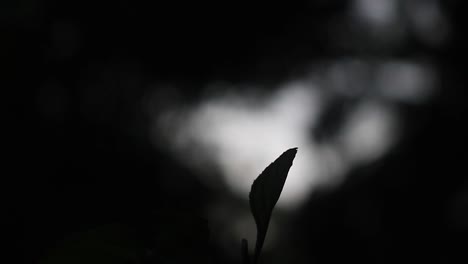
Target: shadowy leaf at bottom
x=265, y=192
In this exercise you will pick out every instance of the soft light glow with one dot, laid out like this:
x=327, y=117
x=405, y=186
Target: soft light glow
x=428, y=21
x=244, y=138
x=406, y=82
x=368, y=133
x=376, y=12
x=241, y=136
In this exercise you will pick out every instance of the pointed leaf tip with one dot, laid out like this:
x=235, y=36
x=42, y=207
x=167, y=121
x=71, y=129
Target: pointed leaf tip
x=265, y=192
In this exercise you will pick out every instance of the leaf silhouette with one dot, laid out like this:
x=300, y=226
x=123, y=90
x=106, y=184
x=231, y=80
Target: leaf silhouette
x=265, y=192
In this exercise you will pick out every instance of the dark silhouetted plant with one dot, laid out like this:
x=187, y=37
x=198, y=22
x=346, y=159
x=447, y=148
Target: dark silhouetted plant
x=264, y=194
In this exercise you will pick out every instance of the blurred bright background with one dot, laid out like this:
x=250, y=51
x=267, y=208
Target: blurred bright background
x=139, y=128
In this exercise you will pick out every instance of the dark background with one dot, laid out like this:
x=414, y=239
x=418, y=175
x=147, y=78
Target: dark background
x=80, y=166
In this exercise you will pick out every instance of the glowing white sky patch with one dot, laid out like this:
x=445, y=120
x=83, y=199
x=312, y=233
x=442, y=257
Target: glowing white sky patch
x=246, y=138
x=243, y=136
